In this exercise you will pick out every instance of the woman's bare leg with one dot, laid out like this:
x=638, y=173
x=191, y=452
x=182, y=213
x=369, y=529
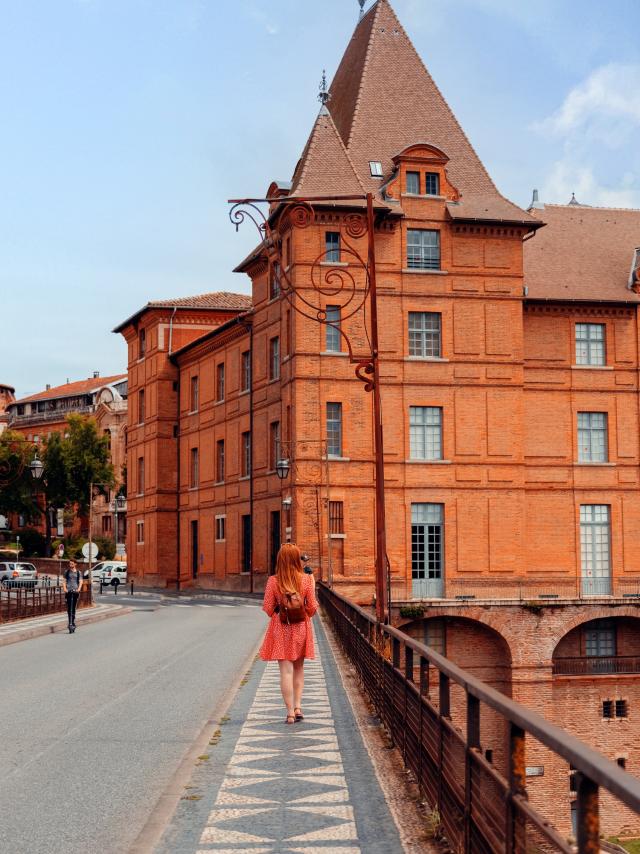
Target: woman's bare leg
x=298, y=682
x=286, y=684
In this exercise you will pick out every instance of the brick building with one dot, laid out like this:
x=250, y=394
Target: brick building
x=509, y=348
x=103, y=398
x=7, y=396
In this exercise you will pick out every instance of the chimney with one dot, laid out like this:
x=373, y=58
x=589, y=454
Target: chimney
x=535, y=203
x=96, y=374
x=48, y=387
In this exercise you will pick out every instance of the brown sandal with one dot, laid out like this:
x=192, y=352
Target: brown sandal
x=298, y=714
x=291, y=719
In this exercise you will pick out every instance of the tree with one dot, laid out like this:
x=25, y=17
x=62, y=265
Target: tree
x=86, y=459
x=16, y=483
x=54, y=483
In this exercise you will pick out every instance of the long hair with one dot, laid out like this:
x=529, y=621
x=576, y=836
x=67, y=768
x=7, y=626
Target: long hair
x=289, y=569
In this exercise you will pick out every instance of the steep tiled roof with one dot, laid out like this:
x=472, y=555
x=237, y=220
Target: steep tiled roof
x=325, y=165
x=583, y=253
x=73, y=389
x=216, y=301
x=383, y=99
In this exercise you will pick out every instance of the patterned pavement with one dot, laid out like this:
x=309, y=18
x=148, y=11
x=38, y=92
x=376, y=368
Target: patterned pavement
x=269, y=788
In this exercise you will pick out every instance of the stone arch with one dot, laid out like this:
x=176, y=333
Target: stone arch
x=492, y=618
x=579, y=617
x=624, y=642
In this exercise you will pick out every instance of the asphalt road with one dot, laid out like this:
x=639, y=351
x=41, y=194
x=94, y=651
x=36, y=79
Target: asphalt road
x=95, y=724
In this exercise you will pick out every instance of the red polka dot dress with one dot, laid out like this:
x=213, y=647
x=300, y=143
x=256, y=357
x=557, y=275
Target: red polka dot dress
x=281, y=641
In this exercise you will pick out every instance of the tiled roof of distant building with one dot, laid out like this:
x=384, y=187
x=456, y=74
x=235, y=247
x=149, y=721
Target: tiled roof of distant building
x=72, y=389
x=583, y=253
x=215, y=301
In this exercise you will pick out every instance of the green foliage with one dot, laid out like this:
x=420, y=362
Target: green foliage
x=16, y=489
x=86, y=459
x=106, y=547
x=414, y=612
x=32, y=543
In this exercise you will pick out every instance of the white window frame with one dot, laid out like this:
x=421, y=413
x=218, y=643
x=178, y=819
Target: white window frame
x=221, y=528
x=591, y=344
x=425, y=334
x=139, y=532
x=425, y=433
x=593, y=438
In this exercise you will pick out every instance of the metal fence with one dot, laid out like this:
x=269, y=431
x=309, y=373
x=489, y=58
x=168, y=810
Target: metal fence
x=594, y=665
x=481, y=810
x=21, y=603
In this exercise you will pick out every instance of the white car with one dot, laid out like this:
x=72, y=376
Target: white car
x=18, y=574
x=111, y=572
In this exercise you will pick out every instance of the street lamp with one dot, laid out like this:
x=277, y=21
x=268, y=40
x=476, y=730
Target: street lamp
x=282, y=469
x=36, y=467
x=324, y=280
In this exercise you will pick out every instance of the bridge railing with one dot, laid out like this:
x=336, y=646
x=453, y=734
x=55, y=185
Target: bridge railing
x=482, y=810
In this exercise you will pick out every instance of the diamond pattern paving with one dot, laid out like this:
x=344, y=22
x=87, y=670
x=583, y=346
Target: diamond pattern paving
x=284, y=789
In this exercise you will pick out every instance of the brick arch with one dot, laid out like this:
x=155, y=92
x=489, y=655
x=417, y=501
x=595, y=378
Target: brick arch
x=552, y=641
x=492, y=619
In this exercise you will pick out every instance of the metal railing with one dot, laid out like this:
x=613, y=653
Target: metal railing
x=22, y=603
x=594, y=665
x=481, y=810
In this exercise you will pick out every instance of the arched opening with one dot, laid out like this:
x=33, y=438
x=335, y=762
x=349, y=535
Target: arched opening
x=605, y=646
x=482, y=652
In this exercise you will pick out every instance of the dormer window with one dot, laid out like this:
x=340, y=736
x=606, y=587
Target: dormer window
x=375, y=166
x=432, y=184
x=413, y=183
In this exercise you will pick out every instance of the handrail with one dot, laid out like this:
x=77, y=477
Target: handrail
x=594, y=768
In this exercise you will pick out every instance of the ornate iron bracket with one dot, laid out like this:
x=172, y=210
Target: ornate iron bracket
x=349, y=279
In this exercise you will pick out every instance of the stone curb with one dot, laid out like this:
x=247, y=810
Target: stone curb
x=38, y=631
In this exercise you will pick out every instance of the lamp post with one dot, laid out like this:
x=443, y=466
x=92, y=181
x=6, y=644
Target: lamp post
x=119, y=504
x=283, y=468
x=326, y=280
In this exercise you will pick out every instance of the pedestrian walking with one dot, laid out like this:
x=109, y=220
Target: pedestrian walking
x=72, y=586
x=290, y=602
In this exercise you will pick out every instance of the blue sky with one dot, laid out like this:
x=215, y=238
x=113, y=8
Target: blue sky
x=126, y=124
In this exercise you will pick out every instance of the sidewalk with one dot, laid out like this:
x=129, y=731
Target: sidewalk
x=19, y=630
x=268, y=788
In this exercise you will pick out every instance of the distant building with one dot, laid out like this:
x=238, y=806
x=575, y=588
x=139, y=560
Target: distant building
x=510, y=357
x=103, y=398
x=7, y=396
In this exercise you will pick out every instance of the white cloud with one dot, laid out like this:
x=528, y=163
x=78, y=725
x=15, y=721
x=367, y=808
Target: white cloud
x=598, y=124
x=606, y=106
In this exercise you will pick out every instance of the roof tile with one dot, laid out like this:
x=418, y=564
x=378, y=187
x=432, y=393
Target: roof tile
x=584, y=253
x=74, y=388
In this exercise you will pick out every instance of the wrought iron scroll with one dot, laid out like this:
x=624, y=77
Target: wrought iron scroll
x=348, y=279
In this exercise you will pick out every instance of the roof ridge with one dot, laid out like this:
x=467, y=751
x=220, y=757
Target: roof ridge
x=591, y=207
x=375, y=9
x=314, y=145
x=444, y=100
x=346, y=151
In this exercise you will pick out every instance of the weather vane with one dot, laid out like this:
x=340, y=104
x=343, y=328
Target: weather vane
x=323, y=95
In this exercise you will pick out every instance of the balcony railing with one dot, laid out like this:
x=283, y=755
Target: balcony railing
x=596, y=665
x=51, y=415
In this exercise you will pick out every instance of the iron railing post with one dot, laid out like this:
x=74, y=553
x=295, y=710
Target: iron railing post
x=517, y=786
x=473, y=743
x=588, y=815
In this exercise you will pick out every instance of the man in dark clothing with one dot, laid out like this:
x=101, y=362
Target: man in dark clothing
x=72, y=585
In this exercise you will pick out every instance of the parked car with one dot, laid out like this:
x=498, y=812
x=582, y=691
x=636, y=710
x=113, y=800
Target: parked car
x=14, y=574
x=110, y=571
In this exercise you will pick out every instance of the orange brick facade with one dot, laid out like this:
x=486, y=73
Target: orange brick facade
x=518, y=584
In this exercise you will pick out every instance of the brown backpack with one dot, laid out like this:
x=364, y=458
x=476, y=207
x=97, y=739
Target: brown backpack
x=292, y=609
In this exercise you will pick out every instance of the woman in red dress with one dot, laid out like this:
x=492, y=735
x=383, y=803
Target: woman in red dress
x=289, y=644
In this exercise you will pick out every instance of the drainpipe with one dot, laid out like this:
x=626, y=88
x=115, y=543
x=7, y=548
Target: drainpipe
x=178, y=481
x=173, y=314
x=251, y=456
